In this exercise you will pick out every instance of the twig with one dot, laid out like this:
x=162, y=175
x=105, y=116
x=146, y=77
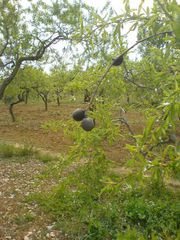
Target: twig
x=121, y=56
x=132, y=81
x=124, y=121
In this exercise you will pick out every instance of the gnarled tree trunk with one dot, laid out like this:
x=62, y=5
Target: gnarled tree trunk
x=11, y=105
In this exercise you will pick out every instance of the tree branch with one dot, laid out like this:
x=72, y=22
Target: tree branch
x=19, y=100
x=124, y=121
x=35, y=57
x=132, y=81
x=6, y=43
x=120, y=57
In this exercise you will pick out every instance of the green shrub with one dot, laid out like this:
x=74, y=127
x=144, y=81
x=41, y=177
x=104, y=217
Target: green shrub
x=162, y=217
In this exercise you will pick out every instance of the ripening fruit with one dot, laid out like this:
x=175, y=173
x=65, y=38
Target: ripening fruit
x=79, y=114
x=118, y=61
x=88, y=124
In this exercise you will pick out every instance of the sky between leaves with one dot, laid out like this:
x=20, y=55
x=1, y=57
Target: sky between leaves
x=118, y=6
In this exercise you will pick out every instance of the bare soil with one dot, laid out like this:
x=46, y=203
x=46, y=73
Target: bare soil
x=28, y=128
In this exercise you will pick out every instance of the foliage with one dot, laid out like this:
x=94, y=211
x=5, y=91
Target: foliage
x=25, y=41
x=100, y=205
x=97, y=210
x=24, y=219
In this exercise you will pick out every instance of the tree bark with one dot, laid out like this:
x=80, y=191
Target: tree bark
x=11, y=105
x=58, y=96
x=46, y=103
x=58, y=101
x=27, y=95
x=44, y=96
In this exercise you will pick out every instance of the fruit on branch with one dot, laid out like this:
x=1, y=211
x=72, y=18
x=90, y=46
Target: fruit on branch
x=118, y=61
x=79, y=114
x=88, y=124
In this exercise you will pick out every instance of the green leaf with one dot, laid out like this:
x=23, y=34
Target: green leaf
x=148, y=129
x=176, y=26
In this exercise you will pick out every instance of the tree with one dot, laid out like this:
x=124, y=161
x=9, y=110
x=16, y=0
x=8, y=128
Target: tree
x=14, y=95
x=22, y=40
x=25, y=80
x=18, y=91
x=43, y=86
x=60, y=77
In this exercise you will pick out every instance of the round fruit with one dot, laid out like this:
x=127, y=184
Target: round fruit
x=87, y=124
x=78, y=114
x=118, y=61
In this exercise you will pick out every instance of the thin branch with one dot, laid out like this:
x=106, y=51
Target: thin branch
x=6, y=43
x=99, y=83
x=102, y=25
x=132, y=81
x=124, y=121
x=121, y=56
x=6, y=64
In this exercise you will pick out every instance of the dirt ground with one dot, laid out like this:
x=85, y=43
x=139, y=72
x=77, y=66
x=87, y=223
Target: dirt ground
x=28, y=128
x=20, y=220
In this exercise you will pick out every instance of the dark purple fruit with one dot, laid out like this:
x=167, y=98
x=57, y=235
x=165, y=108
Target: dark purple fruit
x=88, y=124
x=118, y=61
x=79, y=114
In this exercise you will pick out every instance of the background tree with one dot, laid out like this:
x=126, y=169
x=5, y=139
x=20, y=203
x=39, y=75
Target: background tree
x=14, y=95
x=43, y=86
x=60, y=76
x=25, y=41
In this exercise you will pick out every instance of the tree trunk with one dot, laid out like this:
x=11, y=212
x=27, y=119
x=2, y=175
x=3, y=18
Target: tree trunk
x=27, y=95
x=58, y=96
x=58, y=101
x=11, y=105
x=44, y=97
x=11, y=112
x=127, y=98
x=46, y=103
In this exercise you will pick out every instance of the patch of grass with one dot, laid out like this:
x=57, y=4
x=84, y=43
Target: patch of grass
x=55, y=165
x=52, y=125
x=45, y=158
x=25, y=151
x=21, y=153
x=7, y=151
x=24, y=219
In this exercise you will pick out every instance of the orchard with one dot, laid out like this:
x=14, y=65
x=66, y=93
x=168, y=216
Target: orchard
x=90, y=106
